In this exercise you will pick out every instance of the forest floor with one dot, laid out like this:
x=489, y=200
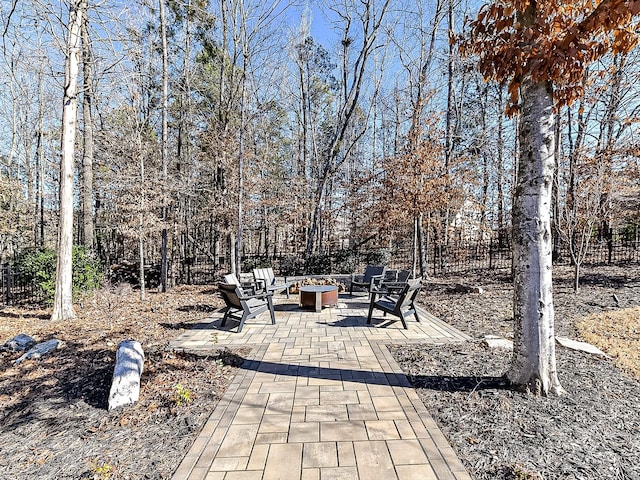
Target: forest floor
x=54, y=423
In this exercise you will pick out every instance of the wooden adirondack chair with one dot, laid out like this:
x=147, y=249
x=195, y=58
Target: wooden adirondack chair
x=394, y=284
x=271, y=284
x=373, y=275
x=401, y=306
x=249, y=286
x=242, y=306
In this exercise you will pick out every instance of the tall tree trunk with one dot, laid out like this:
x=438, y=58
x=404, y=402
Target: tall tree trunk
x=303, y=72
x=500, y=179
x=232, y=254
x=575, y=238
x=607, y=138
x=141, y=214
x=38, y=233
x=317, y=212
x=14, y=130
x=29, y=169
x=371, y=20
x=448, y=135
x=164, y=268
x=180, y=241
x=534, y=361
x=238, y=249
x=555, y=192
x=484, y=103
x=243, y=94
x=63, y=299
x=87, y=155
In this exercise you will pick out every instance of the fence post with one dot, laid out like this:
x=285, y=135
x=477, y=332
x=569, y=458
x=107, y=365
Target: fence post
x=490, y=253
x=610, y=244
x=435, y=257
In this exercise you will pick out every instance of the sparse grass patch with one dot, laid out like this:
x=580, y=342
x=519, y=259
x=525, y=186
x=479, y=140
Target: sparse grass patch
x=617, y=333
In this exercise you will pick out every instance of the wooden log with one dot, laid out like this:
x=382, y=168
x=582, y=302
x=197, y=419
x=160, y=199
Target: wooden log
x=125, y=387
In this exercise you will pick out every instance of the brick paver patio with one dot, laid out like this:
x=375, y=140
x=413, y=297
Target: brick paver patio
x=320, y=398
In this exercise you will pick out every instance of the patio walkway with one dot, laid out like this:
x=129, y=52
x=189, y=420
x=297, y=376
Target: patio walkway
x=320, y=398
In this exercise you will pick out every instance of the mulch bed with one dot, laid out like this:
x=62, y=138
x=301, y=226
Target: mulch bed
x=592, y=432
x=54, y=422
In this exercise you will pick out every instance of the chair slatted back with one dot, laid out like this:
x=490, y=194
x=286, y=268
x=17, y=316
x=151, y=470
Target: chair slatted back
x=403, y=275
x=230, y=294
x=409, y=293
x=265, y=274
x=371, y=271
x=390, y=275
x=231, y=279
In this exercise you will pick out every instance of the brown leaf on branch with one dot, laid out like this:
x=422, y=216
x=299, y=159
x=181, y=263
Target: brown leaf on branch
x=563, y=40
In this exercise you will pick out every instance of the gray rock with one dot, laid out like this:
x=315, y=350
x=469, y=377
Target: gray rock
x=580, y=346
x=492, y=341
x=125, y=387
x=39, y=350
x=19, y=343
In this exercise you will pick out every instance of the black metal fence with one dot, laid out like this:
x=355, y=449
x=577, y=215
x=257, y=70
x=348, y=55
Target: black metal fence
x=16, y=288
x=459, y=257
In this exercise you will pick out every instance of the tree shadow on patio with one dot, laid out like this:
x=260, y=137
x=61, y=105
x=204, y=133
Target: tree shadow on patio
x=325, y=373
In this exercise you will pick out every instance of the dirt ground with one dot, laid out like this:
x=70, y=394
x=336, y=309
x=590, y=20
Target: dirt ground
x=591, y=432
x=54, y=423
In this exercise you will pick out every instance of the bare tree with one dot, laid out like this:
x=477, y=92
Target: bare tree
x=87, y=120
x=164, y=146
x=420, y=92
x=63, y=299
x=366, y=30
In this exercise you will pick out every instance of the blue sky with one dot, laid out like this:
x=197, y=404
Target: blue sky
x=320, y=29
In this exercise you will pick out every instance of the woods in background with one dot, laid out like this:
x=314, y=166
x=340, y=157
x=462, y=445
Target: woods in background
x=239, y=127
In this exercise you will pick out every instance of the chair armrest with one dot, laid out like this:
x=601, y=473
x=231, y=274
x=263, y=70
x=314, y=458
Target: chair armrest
x=248, y=289
x=390, y=286
x=263, y=294
x=375, y=291
x=376, y=280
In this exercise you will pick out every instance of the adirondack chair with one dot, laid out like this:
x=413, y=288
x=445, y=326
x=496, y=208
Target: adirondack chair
x=270, y=283
x=241, y=306
x=401, y=306
x=248, y=286
x=373, y=275
x=395, y=283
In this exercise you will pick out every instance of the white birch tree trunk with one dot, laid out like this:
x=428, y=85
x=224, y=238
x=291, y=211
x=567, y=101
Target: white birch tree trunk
x=63, y=299
x=534, y=362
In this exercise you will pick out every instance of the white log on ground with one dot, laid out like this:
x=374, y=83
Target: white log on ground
x=497, y=343
x=125, y=387
x=580, y=346
x=39, y=350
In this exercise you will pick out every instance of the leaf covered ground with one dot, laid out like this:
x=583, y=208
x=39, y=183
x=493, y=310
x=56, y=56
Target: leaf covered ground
x=54, y=423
